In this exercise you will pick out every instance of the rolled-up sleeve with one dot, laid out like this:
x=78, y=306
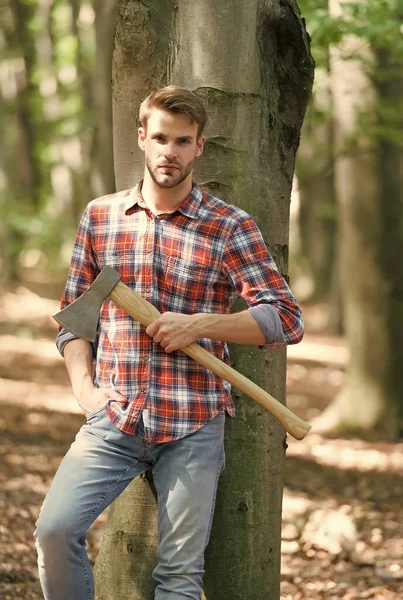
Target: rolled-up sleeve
x=269, y=322
x=253, y=272
x=64, y=337
x=83, y=270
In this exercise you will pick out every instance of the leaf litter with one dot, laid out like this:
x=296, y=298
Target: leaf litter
x=342, y=535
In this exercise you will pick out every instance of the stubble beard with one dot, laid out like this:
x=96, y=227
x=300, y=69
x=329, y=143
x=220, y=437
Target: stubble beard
x=169, y=180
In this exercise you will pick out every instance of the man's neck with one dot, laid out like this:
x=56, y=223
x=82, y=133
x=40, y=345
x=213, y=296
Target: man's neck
x=163, y=200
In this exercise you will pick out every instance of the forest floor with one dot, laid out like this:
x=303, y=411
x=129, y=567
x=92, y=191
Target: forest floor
x=343, y=509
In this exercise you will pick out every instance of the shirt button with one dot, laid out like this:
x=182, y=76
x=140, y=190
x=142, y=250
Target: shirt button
x=145, y=358
x=143, y=390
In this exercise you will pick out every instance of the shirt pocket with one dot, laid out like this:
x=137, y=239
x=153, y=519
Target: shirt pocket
x=187, y=278
x=123, y=260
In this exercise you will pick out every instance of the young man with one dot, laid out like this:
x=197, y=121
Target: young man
x=149, y=406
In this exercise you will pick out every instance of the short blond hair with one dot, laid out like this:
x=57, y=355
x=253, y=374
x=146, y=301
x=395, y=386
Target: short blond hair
x=175, y=99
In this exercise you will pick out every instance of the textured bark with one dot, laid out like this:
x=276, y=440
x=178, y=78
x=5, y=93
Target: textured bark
x=367, y=218
x=250, y=63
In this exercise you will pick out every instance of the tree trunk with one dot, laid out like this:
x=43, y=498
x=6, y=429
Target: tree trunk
x=367, y=402
x=81, y=183
x=28, y=95
x=20, y=136
x=102, y=169
x=315, y=172
x=250, y=63
x=389, y=84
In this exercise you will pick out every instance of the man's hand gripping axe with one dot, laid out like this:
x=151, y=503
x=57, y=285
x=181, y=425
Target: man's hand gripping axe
x=81, y=318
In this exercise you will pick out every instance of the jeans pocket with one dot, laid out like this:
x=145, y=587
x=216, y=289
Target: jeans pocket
x=89, y=416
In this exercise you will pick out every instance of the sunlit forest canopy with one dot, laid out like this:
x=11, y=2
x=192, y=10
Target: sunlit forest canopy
x=49, y=113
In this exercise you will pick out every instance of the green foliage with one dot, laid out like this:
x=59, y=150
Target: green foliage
x=66, y=50
x=378, y=26
x=378, y=22
x=45, y=82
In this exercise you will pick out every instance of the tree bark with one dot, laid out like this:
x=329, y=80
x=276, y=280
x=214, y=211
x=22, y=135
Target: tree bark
x=250, y=63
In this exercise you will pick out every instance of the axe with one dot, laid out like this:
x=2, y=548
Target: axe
x=81, y=318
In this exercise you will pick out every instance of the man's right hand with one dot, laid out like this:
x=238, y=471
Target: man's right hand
x=92, y=398
x=78, y=357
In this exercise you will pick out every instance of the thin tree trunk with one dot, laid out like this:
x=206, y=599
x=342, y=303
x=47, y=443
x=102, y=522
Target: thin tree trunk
x=102, y=168
x=390, y=88
x=315, y=172
x=28, y=166
x=81, y=183
x=250, y=63
x=20, y=133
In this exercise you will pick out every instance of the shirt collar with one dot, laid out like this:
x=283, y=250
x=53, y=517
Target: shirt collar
x=189, y=207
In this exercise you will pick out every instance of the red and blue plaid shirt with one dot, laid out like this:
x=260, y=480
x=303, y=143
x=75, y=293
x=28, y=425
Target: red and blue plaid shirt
x=197, y=258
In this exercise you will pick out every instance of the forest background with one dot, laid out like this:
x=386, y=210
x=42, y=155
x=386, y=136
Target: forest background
x=346, y=240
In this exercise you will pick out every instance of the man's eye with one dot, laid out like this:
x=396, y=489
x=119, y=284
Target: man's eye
x=184, y=141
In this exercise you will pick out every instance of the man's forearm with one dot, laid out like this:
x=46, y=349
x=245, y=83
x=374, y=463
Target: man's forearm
x=255, y=326
x=239, y=328
x=78, y=357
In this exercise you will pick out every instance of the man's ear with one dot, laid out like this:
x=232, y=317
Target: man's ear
x=141, y=138
x=200, y=145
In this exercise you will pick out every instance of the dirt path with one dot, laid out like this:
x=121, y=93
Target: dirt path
x=343, y=516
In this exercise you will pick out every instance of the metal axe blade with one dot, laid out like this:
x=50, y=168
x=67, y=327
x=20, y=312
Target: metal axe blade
x=81, y=316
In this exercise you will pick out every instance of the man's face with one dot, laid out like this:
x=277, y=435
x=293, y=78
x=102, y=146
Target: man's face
x=170, y=145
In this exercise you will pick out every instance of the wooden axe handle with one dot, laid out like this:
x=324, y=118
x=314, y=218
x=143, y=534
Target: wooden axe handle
x=144, y=312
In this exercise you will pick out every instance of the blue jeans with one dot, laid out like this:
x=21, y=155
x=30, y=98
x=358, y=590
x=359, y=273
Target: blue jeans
x=100, y=464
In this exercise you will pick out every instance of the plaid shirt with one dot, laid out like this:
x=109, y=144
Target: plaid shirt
x=197, y=258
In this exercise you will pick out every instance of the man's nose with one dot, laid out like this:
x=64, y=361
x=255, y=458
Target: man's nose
x=170, y=151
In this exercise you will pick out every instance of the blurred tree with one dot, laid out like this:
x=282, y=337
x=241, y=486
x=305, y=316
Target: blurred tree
x=317, y=201
x=316, y=256
x=256, y=91
x=81, y=181
x=23, y=177
x=28, y=100
x=102, y=168
x=55, y=99
x=377, y=23
x=36, y=95
x=367, y=93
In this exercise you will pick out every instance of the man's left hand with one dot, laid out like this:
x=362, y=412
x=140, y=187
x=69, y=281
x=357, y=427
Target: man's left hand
x=173, y=331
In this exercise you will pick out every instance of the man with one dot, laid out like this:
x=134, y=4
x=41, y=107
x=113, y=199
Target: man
x=149, y=406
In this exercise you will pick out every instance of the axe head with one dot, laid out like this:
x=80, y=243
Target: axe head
x=81, y=316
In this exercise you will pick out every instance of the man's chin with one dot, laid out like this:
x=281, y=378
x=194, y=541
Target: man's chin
x=167, y=181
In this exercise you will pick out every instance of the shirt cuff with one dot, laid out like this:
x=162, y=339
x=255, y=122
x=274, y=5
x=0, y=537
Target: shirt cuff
x=269, y=322
x=64, y=337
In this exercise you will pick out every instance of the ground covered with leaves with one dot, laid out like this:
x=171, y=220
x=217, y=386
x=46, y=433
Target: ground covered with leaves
x=343, y=514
